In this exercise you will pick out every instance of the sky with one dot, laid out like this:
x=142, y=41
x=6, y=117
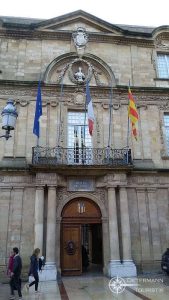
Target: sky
x=129, y=12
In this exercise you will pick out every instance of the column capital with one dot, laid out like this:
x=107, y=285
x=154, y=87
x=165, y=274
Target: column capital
x=140, y=189
x=47, y=179
x=122, y=188
x=8, y=188
x=19, y=188
x=51, y=187
x=104, y=220
x=151, y=190
x=111, y=186
x=40, y=187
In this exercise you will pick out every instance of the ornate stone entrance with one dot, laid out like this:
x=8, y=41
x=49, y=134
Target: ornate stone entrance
x=80, y=218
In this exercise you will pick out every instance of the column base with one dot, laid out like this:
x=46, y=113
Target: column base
x=125, y=269
x=49, y=272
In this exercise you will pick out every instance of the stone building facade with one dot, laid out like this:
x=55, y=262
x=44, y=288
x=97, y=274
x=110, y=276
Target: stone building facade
x=39, y=192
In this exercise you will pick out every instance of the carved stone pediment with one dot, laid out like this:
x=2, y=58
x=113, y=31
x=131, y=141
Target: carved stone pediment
x=72, y=70
x=72, y=21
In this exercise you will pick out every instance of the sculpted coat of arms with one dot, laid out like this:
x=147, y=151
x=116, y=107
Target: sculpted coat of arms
x=80, y=38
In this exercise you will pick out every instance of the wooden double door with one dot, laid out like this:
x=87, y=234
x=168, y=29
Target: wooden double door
x=77, y=216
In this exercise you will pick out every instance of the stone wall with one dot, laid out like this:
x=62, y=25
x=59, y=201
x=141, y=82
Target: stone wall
x=16, y=222
x=149, y=220
x=148, y=212
x=151, y=137
x=22, y=59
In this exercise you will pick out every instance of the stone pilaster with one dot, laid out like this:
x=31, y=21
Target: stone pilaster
x=144, y=227
x=113, y=227
x=114, y=262
x=39, y=218
x=50, y=267
x=154, y=223
x=129, y=268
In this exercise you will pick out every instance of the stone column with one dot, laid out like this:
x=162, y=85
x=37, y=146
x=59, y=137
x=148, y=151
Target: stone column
x=39, y=209
x=154, y=225
x=114, y=264
x=129, y=267
x=146, y=253
x=50, y=266
x=113, y=227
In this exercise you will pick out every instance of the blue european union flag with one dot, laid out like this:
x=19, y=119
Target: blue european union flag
x=38, y=111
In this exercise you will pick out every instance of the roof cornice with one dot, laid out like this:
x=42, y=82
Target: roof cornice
x=26, y=24
x=67, y=35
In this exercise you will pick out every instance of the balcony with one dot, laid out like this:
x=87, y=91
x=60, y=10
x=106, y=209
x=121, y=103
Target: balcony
x=101, y=157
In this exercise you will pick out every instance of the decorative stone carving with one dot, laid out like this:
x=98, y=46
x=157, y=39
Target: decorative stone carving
x=46, y=178
x=164, y=106
x=162, y=43
x=98, y=132
x=99, y=193
x=75, y=71
x=80, y=38
x=18, y=179
x=115, y=179
x=79, y=76
x=62, y=131
x=96, y=73
x=162, y=137
x=116, y=106
x=153, y=59
x=1, y=178
x=79, y=99
x=62, y=73
x=22, y=102
x=147, y=181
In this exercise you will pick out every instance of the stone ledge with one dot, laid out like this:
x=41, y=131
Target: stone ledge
x=143, y=163
x=14, y=163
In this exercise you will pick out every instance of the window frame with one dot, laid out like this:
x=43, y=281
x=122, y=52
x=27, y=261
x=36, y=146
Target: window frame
x=166, y=131
x=159, y=69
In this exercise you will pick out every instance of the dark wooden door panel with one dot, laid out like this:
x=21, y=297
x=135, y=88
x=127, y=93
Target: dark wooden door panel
x=71, y=261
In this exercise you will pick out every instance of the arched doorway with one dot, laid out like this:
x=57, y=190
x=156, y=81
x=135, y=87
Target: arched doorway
x=81, y=236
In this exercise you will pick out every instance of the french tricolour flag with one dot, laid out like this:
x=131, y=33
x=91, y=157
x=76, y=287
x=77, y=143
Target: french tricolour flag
x=90, y=111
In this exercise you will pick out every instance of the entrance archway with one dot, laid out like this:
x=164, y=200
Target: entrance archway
x=81, y=236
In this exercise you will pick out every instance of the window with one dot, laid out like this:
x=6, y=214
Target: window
x=166, y=124
x=79, y=139
x=163, y=65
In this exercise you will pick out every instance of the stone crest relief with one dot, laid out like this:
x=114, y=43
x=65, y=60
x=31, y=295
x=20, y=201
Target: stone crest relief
x=80, y=38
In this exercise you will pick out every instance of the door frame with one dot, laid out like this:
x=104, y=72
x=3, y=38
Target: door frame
x=78, y=220
x=65, y=196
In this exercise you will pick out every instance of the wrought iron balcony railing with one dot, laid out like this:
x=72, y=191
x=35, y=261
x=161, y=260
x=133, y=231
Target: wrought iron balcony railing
x=81, y=156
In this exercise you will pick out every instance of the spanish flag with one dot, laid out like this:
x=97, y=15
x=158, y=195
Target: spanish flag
x=132, y=113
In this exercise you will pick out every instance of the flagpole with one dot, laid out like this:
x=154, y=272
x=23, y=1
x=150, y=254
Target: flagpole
x=110, y=119
x=128, y=128
x=85, y=122
x=37, y=140
x=60, y=112
x=38, y=112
